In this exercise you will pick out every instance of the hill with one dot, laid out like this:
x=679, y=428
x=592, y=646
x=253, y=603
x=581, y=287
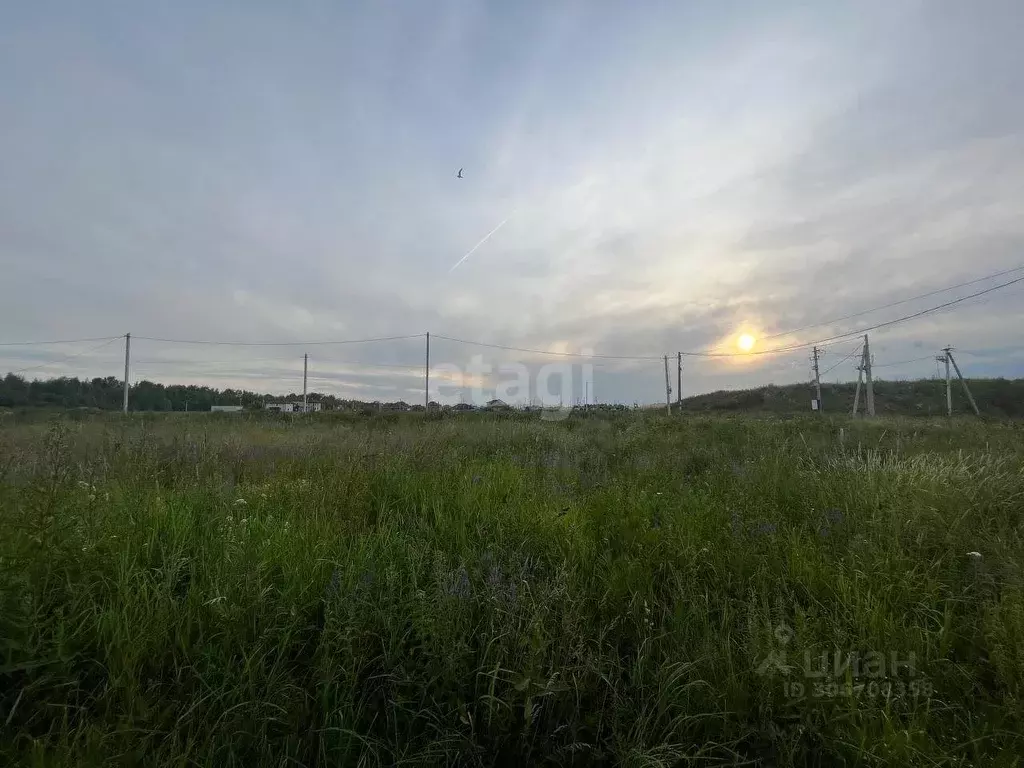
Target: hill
x=1001, y=398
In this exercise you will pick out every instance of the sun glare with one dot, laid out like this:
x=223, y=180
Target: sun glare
x=745, y=342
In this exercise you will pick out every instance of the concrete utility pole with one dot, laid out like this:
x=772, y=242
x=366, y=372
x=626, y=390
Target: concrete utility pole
x=679, y=382
x=867, y=376
x=305, y=372
x=426, y=378
x=127, y=366
x=817, y=375
x=949, y=393
x=860, y=377
x=963, y=381
x=668, y=390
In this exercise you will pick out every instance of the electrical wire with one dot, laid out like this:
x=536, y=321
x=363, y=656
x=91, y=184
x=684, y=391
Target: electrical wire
x=779, y=350
x=280, y=343
x=902, y=362
x=58, y=341
x=895, y=303
x=547, y=352
x=856, y=350
x=64, y=359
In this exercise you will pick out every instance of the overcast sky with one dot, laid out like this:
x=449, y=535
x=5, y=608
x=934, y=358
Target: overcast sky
x=654, y=177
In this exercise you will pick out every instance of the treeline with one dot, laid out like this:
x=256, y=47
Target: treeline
x=1001, y=398
x=108, y=393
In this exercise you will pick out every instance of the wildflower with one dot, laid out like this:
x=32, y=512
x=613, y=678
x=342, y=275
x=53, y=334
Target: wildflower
x=83, y=484
x=240, y=502
x=244, y=520
x=458, y=584
x=974, y=555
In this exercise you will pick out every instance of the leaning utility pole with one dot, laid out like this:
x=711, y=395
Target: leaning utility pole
x=305, y=371
x=668, y=389
x=426, y=378
x=963, y=381
x=949, y=393
x=679, y=382
x=856, y=392
x=867, y=376
x=127, y=364
x=817, y=376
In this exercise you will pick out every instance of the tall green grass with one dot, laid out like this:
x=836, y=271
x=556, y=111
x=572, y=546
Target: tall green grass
x=500, y=591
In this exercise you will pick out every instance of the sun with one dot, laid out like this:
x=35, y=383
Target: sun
x=746, y=342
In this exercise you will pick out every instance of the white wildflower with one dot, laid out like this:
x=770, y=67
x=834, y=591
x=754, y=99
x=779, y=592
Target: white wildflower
x=974, y=555
x=240, y=502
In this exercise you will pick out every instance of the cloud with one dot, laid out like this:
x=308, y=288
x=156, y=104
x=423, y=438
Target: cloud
x=250, y=174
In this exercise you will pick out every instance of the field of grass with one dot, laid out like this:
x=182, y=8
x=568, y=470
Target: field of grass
x=501, y=590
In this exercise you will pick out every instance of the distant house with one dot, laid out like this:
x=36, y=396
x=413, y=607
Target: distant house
x=497, y=405
x=226, y=408
x=295, y=407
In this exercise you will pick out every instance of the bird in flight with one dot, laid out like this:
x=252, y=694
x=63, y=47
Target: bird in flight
x=459, y=174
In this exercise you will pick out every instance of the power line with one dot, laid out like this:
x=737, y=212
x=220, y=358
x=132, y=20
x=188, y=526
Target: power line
x=779, y=350
x=279, y=343
x=64, y=359
x=59, y=341
x=904, y=362
x=886, y=324
x=896, y=303
x=855, y=351
x=548, y=352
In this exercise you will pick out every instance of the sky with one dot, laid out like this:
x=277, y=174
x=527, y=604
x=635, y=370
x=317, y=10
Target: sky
x=639, y=179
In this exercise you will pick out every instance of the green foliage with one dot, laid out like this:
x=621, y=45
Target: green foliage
x=108, y=394
x=604, y=590
x=998, y=398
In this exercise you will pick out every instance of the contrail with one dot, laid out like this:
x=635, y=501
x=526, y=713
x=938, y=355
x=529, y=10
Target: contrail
x=484, y=240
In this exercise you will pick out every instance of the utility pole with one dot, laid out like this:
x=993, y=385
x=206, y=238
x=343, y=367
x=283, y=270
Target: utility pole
x=127, y=365
x=668, y=390
x=817, y=376
x=949, y=391
x=679, y=382
x=305, y=372
x=426, y=378
x=963, y=381
x=867, y=376
x=860, y=377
